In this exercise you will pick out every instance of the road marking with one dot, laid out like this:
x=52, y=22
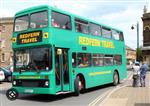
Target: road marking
x=117, y=88
x=107, y=94
x=98, y=99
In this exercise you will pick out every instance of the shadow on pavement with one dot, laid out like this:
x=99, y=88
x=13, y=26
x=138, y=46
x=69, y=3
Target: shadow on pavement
x=97, y=88
x=3, y=92
x=45, y=97
x=142, y=104
x=50, y=98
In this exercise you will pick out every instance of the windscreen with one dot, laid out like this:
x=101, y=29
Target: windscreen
x=34, y=59
x=33, y=20
x=21, y=23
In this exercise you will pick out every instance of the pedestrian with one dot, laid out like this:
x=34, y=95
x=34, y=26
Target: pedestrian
x=143, y=71
x=136, y=74
x=136, y=68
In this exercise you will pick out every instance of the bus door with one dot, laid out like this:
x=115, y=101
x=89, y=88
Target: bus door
x=62, y=69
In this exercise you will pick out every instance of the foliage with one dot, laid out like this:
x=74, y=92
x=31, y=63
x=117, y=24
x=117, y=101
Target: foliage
x=139, y=56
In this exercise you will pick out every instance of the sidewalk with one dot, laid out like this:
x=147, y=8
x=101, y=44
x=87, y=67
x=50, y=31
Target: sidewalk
x=130, y=96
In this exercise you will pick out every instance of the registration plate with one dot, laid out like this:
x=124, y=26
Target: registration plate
x=28, y=91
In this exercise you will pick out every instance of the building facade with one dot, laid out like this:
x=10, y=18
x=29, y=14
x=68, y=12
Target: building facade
x=130, y=55
x=146, y=37
x=6, y=28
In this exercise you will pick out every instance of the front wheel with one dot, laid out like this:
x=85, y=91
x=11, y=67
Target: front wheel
x=77, y=86
x=115, y=78
x=12, y=94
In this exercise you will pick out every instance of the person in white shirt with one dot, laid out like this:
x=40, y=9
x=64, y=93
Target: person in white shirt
x=136, y=68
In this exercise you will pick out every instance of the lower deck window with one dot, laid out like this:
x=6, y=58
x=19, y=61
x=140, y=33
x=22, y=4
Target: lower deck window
x=84, y=59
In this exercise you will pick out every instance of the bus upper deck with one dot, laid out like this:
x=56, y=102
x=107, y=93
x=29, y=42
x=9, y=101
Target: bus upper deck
x=53, y=24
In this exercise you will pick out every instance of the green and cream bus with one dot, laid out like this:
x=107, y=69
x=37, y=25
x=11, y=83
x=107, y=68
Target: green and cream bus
x=58, y=52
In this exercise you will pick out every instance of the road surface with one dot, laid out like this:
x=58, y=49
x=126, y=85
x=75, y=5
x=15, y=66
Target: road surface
x=91, y=97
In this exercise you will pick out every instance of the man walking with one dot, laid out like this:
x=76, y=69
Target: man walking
x=143, y=69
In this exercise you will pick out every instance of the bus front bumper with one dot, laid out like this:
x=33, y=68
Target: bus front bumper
x=29, y=90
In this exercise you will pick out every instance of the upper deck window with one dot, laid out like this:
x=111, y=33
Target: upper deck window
x=39, y=20
x=106, y=32
x=117, y=35
x=21, y=23
x=121, y=37
x=95, y=29
x=81, y=26
x=61, y=21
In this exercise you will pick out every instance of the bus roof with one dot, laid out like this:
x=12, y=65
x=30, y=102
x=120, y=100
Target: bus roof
x=22, y=12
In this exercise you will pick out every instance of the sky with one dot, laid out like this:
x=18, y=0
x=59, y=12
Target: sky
x=121, y=14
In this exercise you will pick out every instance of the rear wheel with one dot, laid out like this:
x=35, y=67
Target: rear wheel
x=115, y=78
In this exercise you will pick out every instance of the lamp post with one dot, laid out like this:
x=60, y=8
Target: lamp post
x=137, y=27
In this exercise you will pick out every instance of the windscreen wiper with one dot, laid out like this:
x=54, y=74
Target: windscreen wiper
x=15, y=60
x=34, y=65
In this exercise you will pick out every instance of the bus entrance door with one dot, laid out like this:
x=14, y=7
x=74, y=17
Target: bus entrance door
x=61, y=69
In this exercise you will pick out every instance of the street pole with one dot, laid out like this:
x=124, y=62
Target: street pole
x=137, y=35
x=137, y=49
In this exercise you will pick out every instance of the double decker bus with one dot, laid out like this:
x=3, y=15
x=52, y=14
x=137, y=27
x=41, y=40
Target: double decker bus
x=56, y=52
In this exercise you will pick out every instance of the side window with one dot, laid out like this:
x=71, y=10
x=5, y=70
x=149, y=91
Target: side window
x=121, y=36
x=73, y=60
x=106, y=32
x=84, y=59
x=108, y=60
x=97, y=59
x=117, y=60
x=81, y=26
x=61, y=21
x=115, y=35
x=95, y=29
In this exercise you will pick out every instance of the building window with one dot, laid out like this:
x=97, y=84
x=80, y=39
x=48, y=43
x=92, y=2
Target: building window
x=3, y=57
x=3, y=44
x=3, y=28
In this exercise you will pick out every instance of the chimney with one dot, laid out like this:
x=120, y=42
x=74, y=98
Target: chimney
x=145, y=9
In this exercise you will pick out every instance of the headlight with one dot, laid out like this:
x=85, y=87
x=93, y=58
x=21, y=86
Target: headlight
x=14, y=82
x=46, y=83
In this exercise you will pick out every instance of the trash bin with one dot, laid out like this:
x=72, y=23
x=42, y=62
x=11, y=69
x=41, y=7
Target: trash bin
x=136, y=79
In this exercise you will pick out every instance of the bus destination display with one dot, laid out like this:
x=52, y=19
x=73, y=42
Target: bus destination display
x=30, y=37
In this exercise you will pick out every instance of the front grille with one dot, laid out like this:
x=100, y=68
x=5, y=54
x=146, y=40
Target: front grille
x=30, y=83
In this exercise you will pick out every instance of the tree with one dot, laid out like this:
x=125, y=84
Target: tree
x=139, y=56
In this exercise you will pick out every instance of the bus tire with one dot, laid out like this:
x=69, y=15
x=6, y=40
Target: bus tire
x=76, y=86
x=115, y=78
x=12, y=94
